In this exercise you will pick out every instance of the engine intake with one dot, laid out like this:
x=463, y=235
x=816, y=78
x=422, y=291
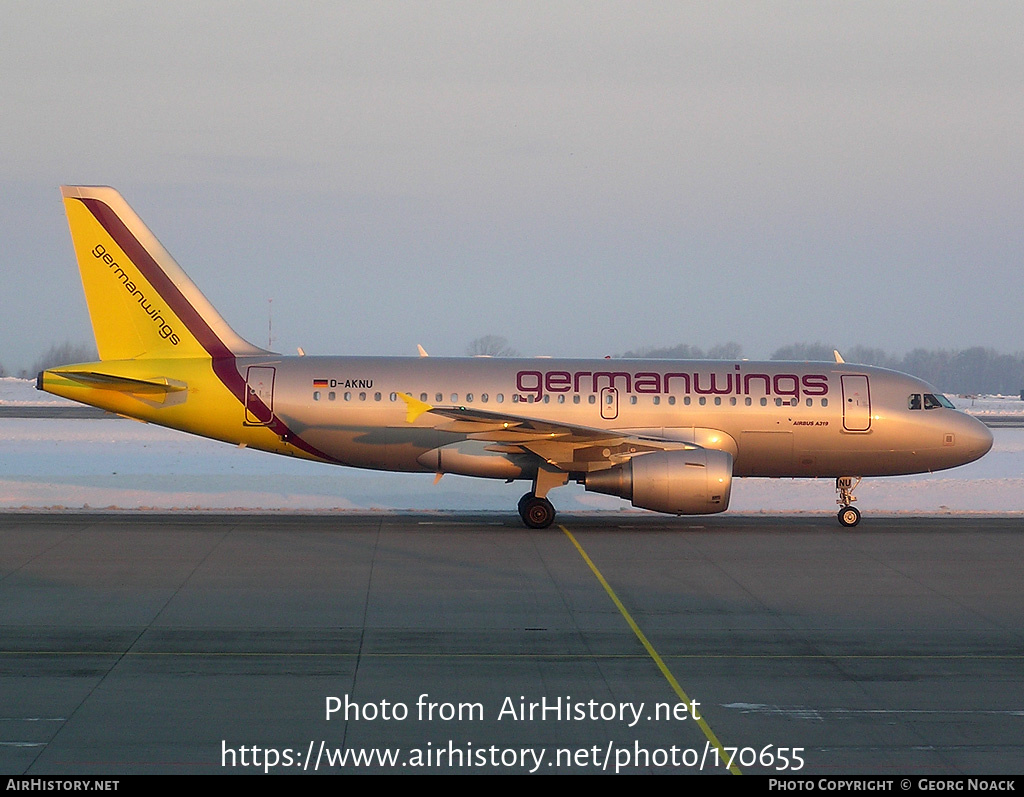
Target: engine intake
x=691, y=482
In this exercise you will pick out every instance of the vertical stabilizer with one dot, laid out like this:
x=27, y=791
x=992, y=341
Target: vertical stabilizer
x=141, y=302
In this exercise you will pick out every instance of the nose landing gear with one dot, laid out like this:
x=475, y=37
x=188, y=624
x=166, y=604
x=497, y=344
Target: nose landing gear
x=849, y=515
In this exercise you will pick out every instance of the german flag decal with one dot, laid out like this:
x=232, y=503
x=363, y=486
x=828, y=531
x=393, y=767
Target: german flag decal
x=319, y=383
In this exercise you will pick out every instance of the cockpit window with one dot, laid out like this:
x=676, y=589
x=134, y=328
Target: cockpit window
x=933, y=401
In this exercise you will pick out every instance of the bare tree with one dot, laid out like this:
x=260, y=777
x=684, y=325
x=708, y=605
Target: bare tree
x=684, y=351
x=725, y=351
x=813, y=352
x=63, y=354
x=490, y=346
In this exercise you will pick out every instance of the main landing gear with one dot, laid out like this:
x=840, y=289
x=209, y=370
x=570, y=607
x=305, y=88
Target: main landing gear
x=849, y=515
x=535, y=509
x=537, y=513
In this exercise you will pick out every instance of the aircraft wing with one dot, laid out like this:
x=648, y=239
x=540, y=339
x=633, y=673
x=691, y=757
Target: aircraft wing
x=568, y=447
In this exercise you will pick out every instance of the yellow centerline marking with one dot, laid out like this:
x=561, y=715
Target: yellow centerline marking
x=710, y=734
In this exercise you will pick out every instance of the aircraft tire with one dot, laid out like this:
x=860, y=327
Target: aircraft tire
x=849, y=516
x=537, y=513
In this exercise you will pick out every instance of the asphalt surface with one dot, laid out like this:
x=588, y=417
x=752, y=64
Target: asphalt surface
x=136, y=643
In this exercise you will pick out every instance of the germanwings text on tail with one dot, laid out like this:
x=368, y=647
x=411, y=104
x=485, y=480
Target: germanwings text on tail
x=666, y=435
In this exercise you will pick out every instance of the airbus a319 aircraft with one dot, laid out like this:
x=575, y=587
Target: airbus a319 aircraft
x=667, y=435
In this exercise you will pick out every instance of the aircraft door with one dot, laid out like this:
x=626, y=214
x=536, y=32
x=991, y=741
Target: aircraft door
x=609, y=403
x=259, y=395
x=856, y=403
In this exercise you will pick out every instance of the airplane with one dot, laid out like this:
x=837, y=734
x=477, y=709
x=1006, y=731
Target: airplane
x=667, y=435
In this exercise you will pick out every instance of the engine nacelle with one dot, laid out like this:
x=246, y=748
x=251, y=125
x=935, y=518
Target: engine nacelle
x=693, y=482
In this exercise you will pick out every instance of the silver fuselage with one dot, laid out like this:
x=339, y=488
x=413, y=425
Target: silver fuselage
x=777, y=419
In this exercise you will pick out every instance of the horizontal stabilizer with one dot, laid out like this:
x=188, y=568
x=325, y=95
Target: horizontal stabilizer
x=157, y=386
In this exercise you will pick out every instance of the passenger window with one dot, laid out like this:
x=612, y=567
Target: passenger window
x=348, y=396
x=500, y=398
x=591, y=399
x=469, y=397
x=764, y=402
x=483, y=397
x=376, y=397
x=824, y=402
x=657, y=400
x=702, y=401
x=561, y=398
x=748, y=401
x=332, y=396
x=316, y=395
x=439, y=397
x=576, y=399
x=423, y=397
x=362, y=397
x=672, y=400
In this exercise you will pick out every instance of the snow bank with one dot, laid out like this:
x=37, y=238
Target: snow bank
x=120, y=464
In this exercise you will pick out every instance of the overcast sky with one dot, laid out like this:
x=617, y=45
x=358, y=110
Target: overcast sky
x=579, y=178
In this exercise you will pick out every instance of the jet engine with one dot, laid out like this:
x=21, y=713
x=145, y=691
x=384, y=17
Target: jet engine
x=691, y=482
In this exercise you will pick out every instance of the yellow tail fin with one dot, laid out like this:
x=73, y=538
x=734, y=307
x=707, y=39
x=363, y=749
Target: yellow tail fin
x=142, y=304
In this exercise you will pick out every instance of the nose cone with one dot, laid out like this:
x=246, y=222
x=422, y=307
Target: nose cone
x=975, y=438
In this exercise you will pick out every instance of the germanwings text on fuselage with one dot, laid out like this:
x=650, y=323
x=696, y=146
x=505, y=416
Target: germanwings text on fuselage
x=537, y=383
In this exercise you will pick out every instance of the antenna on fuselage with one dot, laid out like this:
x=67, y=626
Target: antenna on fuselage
x=838, y=356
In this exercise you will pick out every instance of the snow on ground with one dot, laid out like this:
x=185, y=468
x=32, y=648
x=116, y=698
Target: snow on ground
x=121, y=464
x=16, y=392
x=989, y=405
x=23, y=392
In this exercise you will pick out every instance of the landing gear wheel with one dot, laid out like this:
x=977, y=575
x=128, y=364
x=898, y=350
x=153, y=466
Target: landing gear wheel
x=537, y=513
x=849, y=516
